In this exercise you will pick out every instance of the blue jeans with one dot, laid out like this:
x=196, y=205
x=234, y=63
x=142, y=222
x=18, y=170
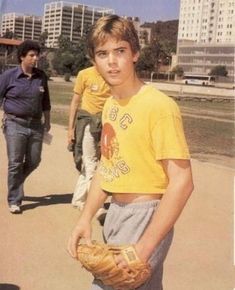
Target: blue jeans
x=24, y=147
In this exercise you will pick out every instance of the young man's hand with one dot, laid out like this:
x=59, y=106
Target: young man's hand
x=47, y=126
x=81, y=231
x=47, y=122
x=71, y=136
x=121, y=262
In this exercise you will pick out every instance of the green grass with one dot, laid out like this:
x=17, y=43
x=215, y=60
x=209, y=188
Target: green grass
x=61, y=92
x=60, y=117
x=212, y=106
x=209, y=136
x=206, y=137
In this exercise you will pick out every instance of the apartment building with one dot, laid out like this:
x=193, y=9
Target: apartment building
x=200, y=58
x=207, y=20
x=70, y=20
x=22, y=26
x=206, y=36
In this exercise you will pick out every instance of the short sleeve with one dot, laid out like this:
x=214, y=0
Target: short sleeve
x=46, y=103
x=168, y=138
x=79, y=84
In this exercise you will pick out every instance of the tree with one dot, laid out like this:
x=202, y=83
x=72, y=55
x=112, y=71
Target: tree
x=146, y=61
x=151, y=56
x=164, y=32
x=43, y=63
x=64, y=43
x=42, y=39
x=70, y=57
x=178, y=70
x=219, y=70
x=8, y=34
x=63, y=62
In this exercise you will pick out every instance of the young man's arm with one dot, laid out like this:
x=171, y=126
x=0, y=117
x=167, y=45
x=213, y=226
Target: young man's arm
x=72, y=116
x=3, y=86
x=46, y=104
x=95, y=200
x=173, y=201
x=47, y=121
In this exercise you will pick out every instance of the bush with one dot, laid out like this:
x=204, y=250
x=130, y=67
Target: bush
x=178, y=70
x=219, y=70
x=67, y=77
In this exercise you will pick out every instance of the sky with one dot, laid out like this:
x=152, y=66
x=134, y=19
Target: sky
x=146, y=10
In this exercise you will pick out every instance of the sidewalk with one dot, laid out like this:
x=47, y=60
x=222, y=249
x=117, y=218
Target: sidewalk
x=33, y=245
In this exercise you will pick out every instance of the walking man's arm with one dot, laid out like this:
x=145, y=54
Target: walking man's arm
x=72, y=116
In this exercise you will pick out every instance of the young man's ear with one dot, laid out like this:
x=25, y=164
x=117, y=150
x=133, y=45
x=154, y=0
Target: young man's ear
x=136, y=57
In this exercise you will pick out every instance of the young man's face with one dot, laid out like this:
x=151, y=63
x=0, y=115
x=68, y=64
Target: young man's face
x=30, y=60
x=115, y=61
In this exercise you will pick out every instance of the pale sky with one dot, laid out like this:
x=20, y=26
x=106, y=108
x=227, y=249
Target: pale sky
x=146, y=10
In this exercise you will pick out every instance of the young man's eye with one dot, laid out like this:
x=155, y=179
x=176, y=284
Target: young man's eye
x=102, y=54
x=121, y=50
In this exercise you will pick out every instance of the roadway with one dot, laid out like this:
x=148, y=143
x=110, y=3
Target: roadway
x=184, y=91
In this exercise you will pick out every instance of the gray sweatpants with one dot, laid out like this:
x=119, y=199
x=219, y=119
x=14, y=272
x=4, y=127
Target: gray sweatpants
x=124, y=224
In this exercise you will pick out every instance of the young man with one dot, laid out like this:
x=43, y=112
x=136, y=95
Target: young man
x=25, y=98
x=90, y=92
x=145, y=161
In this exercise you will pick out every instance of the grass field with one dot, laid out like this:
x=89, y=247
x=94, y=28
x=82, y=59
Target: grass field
x=209, y=139
x=61, y=92
x=210, y=106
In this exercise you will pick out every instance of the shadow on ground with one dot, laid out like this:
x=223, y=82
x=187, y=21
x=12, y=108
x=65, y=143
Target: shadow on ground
x=45, y=201
x=8, y=287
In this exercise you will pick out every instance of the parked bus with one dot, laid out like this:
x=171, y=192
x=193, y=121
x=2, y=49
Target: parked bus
x=202, y=80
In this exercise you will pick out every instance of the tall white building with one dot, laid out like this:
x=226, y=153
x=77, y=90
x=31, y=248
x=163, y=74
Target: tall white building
x=70, y=20
x=22, y=26
x=206, y=36
x=207, y=20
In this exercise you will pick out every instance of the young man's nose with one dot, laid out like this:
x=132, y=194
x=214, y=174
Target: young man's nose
x=35, y=57
x=111, y=58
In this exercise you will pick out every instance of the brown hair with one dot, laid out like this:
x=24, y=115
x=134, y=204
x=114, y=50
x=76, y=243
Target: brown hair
x=114, y=26
x=25, y=47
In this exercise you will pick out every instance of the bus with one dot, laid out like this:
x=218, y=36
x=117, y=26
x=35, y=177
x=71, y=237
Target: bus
x=201, y=80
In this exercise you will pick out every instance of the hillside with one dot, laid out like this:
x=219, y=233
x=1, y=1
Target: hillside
x=164, y=32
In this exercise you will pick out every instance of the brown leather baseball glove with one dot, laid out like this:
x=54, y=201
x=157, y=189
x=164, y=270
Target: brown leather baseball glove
x=99, y=260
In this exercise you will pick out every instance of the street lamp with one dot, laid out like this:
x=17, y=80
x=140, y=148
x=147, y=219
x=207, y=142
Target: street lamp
x=169, y=67
x=151, y=78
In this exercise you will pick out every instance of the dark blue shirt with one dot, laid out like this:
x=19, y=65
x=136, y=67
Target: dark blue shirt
x=23, y=96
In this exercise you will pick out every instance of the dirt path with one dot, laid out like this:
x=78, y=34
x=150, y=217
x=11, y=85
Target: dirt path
x=33, y=245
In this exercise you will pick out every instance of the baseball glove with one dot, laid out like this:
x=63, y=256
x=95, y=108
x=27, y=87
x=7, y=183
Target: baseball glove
x=99, y=260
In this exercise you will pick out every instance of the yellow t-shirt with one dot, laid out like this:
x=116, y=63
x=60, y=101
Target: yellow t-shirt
x=93, y=89
x=137, y=134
